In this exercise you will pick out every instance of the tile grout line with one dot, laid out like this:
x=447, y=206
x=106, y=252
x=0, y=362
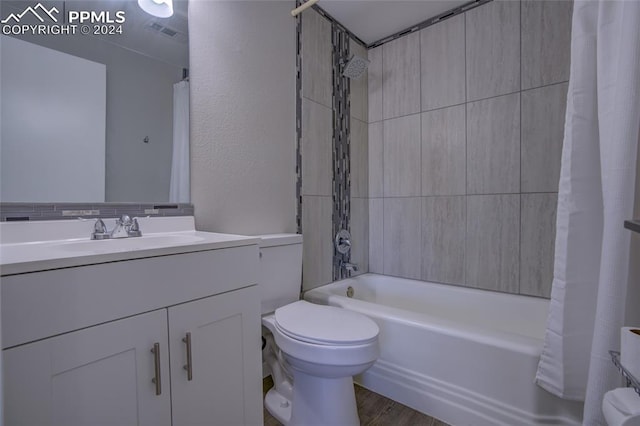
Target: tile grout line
x=466, y=160
x=520, y=180
x=304, y=98
x=383, y=156
x=421, y=214
x=299, y=56
x=470, y=101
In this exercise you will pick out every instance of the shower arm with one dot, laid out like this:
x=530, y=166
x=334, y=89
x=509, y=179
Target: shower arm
x=298, y=10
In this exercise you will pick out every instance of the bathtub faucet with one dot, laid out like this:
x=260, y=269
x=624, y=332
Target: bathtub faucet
x=351, y=267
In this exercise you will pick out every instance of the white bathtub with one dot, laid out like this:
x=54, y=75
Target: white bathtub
x=465, y=356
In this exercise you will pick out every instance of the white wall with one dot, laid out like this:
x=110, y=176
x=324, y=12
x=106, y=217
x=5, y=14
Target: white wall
x=242, y=57
x=45, y=156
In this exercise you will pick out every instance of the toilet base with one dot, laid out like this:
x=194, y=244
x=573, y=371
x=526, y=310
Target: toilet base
x=326, y=401
x=278, y=406
x=316, y=401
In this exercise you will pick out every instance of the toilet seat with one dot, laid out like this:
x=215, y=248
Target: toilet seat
x=320, y=335
x=325, y=325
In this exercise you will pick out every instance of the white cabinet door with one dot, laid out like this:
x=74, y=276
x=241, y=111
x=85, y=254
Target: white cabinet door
x=226, y=386
x=99, y=376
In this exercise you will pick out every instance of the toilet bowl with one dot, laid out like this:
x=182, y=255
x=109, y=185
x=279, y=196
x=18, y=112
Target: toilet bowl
x=323, y=347
x=312, y=351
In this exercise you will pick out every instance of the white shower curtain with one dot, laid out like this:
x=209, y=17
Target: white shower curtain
x=596, y=195
x=179, y=185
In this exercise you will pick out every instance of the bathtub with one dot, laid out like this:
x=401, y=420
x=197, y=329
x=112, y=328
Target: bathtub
x=465, y=356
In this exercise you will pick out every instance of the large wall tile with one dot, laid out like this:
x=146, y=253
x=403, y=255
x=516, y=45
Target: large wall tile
x=317, y=62
x=401, y=76
x=543, y=114
x=359, y=86
x=443, y=239
x=359, y=156
x=493, y=49
x=493, y=145
x=316, y=148
x=443, y=151
x=359, y=223
x=492, y=246
x=402, y=237
x=402, y=156
x=443, y=67
x=376, y=236
x=546, y=42
x=490, y=87
x=376, y=155
x=537, y=243
x=317, y=249
x=374, y=83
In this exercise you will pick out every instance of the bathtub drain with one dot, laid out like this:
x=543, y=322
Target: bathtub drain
x=349, y=291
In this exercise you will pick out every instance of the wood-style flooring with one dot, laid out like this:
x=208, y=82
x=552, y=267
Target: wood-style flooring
x=373, y=409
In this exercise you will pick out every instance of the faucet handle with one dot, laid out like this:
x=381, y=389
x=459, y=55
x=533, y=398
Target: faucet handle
x=343, y=241
x=134, y=228
x=99, y=227
x=99, y=231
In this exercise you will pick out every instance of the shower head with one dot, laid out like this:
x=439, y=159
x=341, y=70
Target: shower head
x=355, y=67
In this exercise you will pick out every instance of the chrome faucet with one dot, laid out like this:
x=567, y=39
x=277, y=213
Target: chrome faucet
x=122, y=225
x=134, y=229
x=350, y=267
x=125, y=227
x=100, y=231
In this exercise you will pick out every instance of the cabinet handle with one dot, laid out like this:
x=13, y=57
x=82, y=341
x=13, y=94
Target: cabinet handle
x=156, y=358
x=189, y=365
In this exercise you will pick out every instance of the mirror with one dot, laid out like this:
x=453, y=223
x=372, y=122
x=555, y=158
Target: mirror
x=94, y=102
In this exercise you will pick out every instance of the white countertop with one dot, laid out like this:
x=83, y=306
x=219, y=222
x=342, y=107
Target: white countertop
x=43, y=245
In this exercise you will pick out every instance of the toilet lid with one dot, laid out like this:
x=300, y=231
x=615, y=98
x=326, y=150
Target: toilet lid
x=325, y=325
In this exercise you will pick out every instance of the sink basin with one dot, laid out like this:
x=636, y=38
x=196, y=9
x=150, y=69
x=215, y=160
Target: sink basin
x=125, y=244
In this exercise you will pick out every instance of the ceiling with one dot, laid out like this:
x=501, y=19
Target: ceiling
x=372, y=20
x=138, y=32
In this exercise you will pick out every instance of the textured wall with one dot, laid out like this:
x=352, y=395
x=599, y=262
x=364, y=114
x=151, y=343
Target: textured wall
x=243, y=116
x=465, y=134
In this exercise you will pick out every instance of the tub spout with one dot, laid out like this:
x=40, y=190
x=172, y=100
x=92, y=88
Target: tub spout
x=351, y=267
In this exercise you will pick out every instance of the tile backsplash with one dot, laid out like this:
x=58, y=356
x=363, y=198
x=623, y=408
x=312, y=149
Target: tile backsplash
x=57, y=211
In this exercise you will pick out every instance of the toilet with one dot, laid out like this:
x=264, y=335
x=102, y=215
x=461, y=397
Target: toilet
x=312, y=350
x=621, y=407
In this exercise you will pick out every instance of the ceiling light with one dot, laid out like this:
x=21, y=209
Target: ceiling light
x=159, y=8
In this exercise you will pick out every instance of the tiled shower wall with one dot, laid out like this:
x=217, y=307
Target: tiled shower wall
x=318, y=189
x=465, y=134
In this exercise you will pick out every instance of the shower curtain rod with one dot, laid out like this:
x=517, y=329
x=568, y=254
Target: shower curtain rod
x=303, y=7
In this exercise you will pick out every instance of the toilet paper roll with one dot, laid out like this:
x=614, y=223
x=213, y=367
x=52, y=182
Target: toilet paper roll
x=630, y=350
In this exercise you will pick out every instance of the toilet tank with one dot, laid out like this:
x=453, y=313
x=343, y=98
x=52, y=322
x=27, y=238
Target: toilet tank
x=280, y=270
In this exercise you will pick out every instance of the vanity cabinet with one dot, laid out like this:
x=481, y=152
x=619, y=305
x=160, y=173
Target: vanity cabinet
x=78, y=346
x=97, y=376
x=223, y=341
